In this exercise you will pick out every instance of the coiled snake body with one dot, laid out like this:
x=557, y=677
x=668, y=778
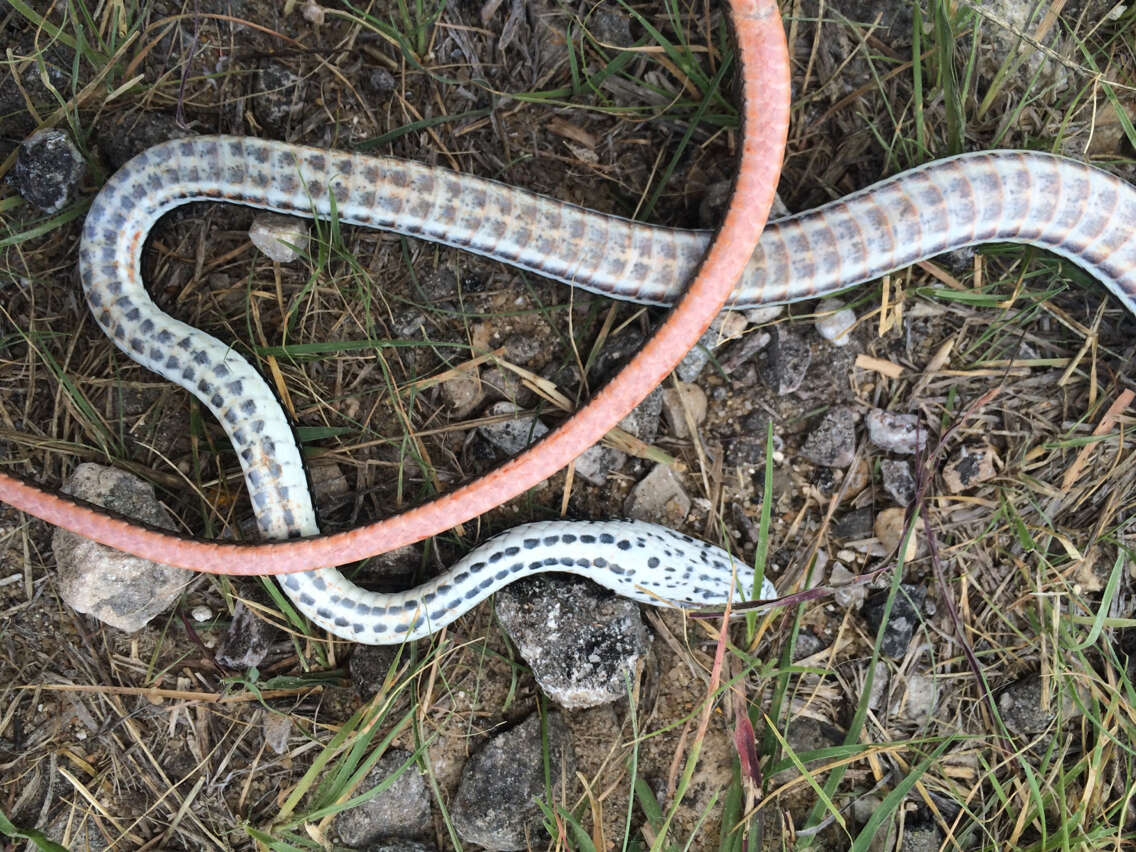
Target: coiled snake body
x=1066, y=207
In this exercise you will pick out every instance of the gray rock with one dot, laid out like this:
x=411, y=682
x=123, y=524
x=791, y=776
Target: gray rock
x=921, y=838
x=279, y=96
x=246, y=642
x=854, y=525
x=898, y=481
x=279, y=237
x=643, y=421
x=596, y=462
x=609, y=25
x=118, y=589
x=496, y=801
x=835, y=321
x=845, y=595
x=402, y=810
x=679, y=402
x=896, y=433
x=807, y=644
x=920, y=698
x=582, y=643
x=1028, y=711
x=48, y=168
x=833, y=442
x=512, y=436
x=659, y=498
x=906, y=613
x=368, y=668
x=785, y=362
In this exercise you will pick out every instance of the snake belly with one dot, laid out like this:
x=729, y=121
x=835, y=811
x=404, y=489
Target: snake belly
x=1066, y=207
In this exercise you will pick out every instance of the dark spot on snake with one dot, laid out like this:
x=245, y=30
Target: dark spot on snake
x=260, y=154
x=624, y=544
x=138, y=345
x=486, y=583
x=501, y=575
x=401, y=628
x=587, y=539
x=653, y=562
x=551, y=560
x=323, y=613
x=584, y=563
x=361, y=607
x=460, y=578
x=119, y=333
x=471, y=594
x=246, y=454
x=568, y=538
x=341, y=622
x=257, y=427
x=600, y=562
x=567, y=561
x=248, y=407
x=550, y=540
x=290, y=520
x=512, y=551
x=444, y=589
x=607, y=538
x=530, y=543
x=185, y=148
x=358, y=628
x=428, y=597
x=217, y=401
x=319, y=583
x=410, y=606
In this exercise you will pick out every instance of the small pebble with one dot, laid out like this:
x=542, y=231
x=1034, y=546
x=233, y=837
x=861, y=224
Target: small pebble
x=47, y=170
x=201, y=614
x=905, y=617
x=281, y=238
x=835, y=321
x=681, y=401
x=890, y=528
x=833, y=442
x=659, y=498
x=786, y=361
x=896, y=433
x=898, y=481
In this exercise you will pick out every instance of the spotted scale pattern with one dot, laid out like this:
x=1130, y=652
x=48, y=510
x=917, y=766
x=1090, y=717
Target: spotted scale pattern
x=1074, y=210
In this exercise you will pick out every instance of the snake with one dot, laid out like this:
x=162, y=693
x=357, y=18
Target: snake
x=1069, y=208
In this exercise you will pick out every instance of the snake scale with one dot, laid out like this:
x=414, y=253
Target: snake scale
x=1079, y=212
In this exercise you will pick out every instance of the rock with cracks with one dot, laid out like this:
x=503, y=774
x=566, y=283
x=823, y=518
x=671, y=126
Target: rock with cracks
x=401, y=811
x=118, y=589
x=582, y=643
x=497, y=800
